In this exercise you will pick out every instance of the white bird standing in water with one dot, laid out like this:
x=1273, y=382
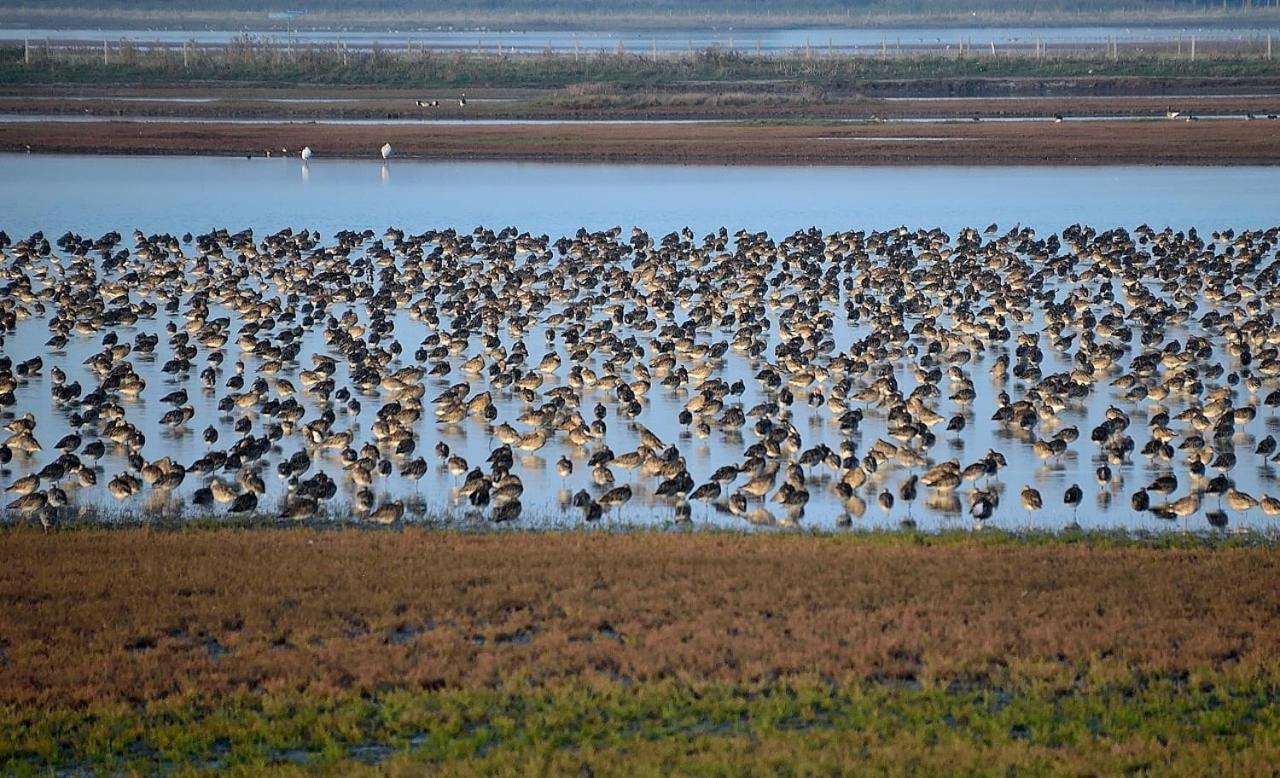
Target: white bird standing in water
x=306, y=152
x=386, y=151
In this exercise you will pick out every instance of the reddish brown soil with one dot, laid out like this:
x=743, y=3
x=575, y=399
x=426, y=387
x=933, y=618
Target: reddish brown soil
x=1069, y=143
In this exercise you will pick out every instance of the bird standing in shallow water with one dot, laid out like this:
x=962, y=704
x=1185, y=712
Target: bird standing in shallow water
x=1240, y=501
x=907, y=492
x=982, y=506
x=1031, y=501
x=1140, y=501
x=388, y=513
x=886, y=501
x=1073, y=497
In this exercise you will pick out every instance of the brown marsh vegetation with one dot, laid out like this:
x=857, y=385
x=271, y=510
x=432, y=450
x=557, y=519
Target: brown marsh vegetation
x=96, y=616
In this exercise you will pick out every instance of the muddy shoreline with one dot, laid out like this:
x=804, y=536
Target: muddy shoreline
x=1141, y=142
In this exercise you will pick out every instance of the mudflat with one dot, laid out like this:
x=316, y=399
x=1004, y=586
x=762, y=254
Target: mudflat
x=1216, y=142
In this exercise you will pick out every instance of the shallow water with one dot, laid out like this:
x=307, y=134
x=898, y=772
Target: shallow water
x=95, y=194
x=177, y=195
x=640, y=41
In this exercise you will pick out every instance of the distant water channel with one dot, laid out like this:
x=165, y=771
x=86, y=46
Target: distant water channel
x=767, y=41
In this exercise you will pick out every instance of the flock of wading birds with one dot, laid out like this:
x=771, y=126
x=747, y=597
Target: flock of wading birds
x=1179, y=329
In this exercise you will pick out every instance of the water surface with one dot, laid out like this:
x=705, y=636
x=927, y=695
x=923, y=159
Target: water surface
x=771, y=41
x=95, y=194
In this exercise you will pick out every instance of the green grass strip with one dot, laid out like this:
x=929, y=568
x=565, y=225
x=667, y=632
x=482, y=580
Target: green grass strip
x=1198, y=725
x=258, y=63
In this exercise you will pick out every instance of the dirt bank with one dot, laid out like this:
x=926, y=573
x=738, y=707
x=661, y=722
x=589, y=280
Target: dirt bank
x=1218, y=142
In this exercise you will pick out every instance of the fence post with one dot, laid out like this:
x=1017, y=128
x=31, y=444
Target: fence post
x=104, y=52
x=1193, y=48
x=26, y=50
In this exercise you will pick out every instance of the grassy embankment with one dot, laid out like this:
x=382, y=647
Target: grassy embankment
x=251, y=63
x=626, y=653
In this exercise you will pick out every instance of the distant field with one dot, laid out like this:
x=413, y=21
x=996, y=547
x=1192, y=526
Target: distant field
x=209, y=649
x=256, y=63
